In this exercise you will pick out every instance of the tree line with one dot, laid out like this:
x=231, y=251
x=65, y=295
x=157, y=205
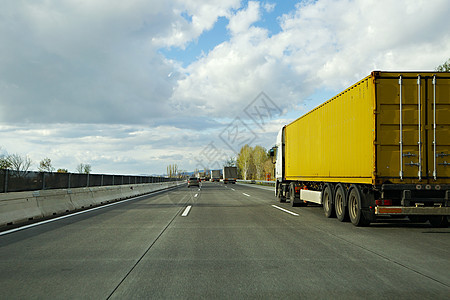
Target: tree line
x=23, y=163
x=254, y=163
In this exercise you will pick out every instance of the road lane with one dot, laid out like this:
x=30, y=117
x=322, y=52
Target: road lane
x=234, y=246
x=85, y=256
x=229, y=245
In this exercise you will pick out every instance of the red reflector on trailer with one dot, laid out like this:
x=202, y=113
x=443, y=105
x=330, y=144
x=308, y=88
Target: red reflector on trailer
x=384, y=210
x=387, y=202
x=383, y=202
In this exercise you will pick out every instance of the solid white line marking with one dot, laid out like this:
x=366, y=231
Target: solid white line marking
x=246, y=194
x=75, y=214
x=285, y=210
x=186, y=211
x=195, y=195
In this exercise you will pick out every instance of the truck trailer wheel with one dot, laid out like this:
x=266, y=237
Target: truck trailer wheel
x=280, y=196
x=355, y=207
x=339, y=203
x=327, y=200
x=292, y=196
x=295, y=197
x=438, y=221
x=417, y=219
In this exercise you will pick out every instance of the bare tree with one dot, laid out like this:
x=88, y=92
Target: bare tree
x=230, y=162
x=4, y=163
x=84, y=168
x=87, y=169
x=46, y=165
x=172, y=170
x=19, y=163
x=445, y=67
x=80, y=168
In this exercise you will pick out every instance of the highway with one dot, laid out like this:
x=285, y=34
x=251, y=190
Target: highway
x=222, y=241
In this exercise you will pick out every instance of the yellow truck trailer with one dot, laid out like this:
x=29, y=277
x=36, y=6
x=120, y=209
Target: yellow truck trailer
x=380, y=147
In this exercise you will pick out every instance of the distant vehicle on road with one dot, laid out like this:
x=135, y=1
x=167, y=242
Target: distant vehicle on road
x=229, y=174
x=193, y=181
x=215, y=175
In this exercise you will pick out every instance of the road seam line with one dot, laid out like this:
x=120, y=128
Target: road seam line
x=146, y=251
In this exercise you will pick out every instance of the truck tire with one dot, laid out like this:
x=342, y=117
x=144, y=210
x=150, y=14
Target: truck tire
x=293, y=197
x=355, y=207
x=327, y=201
x=417, y=219
x=438, y=221
x=280, y=196
x=340, y=203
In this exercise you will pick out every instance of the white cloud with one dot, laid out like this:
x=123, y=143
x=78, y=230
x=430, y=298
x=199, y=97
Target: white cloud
x=323, y=44
x=241, y=21
x=348, y=39
x=127, y=149
x=269, y=7
x=202, y=18
x=82, y=61
x=83, y=81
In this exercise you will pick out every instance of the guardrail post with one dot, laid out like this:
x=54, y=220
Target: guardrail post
x=6, y=180
x=69, y=178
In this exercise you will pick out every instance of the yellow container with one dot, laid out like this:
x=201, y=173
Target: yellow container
x=372, y=133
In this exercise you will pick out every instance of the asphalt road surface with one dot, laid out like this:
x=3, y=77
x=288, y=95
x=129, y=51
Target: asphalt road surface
x=222, y=241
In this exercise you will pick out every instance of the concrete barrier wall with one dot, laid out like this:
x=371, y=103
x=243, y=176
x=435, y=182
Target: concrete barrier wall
x=18, y=207
x=22, y=207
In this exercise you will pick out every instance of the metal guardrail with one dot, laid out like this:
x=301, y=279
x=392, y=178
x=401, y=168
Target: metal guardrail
x=18, y=181
x=271, y=183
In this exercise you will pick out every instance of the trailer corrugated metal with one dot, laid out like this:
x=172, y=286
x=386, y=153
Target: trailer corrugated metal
x=413, y=127
x=357, y=136
x=380, y=147
x=335, y=141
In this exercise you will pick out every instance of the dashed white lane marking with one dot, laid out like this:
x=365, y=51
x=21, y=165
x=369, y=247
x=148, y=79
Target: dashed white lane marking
x=285, y=210
x=186, y=211
x=246, y=194
x=195, y=195
x=233, y=189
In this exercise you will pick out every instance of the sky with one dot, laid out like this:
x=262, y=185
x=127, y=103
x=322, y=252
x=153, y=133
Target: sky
x=131, y=87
